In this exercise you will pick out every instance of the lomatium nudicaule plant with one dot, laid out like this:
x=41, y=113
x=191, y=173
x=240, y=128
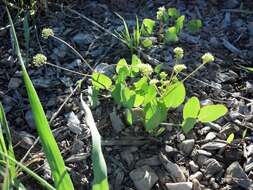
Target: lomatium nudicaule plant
x=138, y=85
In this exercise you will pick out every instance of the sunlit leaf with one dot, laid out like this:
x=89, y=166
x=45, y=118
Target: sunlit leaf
x=171, y=34
x=191, y=108
x=101, y=81
x=194, y=25
x=173, y=12
x=147, y=27
x=146, y=43
x=230, y=138
x=180, y=24
x=211, y=113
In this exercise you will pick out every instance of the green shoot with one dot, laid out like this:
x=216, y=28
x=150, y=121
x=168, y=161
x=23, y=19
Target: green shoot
x=61, y=177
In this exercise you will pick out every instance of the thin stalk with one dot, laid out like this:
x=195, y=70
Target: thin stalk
x=71, y=71
x=74, y=50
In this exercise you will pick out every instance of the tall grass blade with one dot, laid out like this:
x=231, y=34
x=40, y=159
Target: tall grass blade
x=61, y=177
x=6, y=143
x=100, y=181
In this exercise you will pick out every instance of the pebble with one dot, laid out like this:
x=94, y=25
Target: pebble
x=198, y=175
x=179, y=186
x=73, y=123
x=196, y=185
x=117, y=124
x=212, y=167
x=214, y=145
x=210, y=136
x=187, y=145
x=29, y=119
x=128, y=157
x=194, y=167
x=236, y=176
x=83, y=39
x=14, y=83
x=174, y=170
x=144, y=178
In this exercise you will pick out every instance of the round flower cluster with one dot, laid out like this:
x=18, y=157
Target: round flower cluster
x=160, y=13
x=153, y=81
x=179, y=67
x=39, y=59
x=207, y=57
x=163, y=75
x=145, y=69
x=179, y=52
x=47, y=32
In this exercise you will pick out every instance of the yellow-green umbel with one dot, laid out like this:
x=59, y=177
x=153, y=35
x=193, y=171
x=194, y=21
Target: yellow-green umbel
x=207, y=57
x=179, y=67
x=179, y=52
x=47, y=32
x=145, y=69
x=161, y=11
x=39, y=59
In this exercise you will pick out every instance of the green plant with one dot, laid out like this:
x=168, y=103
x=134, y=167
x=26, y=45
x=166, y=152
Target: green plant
x=193, y=113
x=138, y=85
x=139, y=35
x=100, y=181
x=194, y=25
x=175, y=23
x=61, y=177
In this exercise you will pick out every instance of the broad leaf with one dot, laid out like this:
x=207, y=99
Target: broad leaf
x=147, y=43
x=173, y=12
x=191, y=108
x=174, y=95
x=150, y=94
x=147, y=27
x=141, y=84
x=171, y=34
x=135, y=61
x=188, y=124
x=210, y=113
x=129, y=116
x=155, y=114
x=121, y=64
x=101, y=81
x=180, y=24
x=194, y=25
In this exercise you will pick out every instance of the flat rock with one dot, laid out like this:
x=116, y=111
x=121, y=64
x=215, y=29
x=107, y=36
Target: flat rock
x=179, y=186
x=213, y=145
x=212, y=167
x=174, y=170
x=194, y=167
x=144, y=178
x=83, y=39
x=187, y=145
x=237, y=177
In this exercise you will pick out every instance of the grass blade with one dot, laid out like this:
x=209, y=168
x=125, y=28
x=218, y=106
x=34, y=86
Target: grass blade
x=4, y=128
x=100, y=181
x=61, y=177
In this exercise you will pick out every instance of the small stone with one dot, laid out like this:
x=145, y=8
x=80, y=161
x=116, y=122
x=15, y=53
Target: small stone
x=73, y=123
x=14, y=83
x=174, y=170
x=187, y=145
x=128, y=157
x=179, y=186
x=29, y=119
x=117, y=124
x=152, y=161
x=144, y=178
x=198, y=175
x=83, y=39
x=106, y=69
x=210, y=136
x=212, y=167
x=237, y=177
x=194, y=167
x=196, y=185
x=214, y=145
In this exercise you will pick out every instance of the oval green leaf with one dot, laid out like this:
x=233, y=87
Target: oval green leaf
x=212, y=112
x=191, y=108
x=101, y=81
